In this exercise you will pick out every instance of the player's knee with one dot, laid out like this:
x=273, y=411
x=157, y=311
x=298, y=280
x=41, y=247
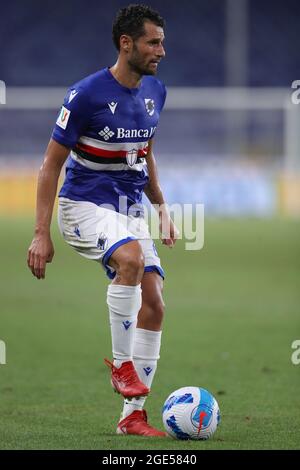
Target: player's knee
x=132, y=267
x=135, y=264
x=129, y=261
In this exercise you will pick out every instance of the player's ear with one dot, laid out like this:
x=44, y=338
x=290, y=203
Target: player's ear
x=125, y=43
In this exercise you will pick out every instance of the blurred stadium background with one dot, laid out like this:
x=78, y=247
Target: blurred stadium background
x=229, y=138
x=229, y=127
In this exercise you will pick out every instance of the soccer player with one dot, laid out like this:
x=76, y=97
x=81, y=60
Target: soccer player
x=107, y=124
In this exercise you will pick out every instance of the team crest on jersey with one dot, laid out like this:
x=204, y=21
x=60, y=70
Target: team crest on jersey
x=149, y=103
x=131, y=157
x=102, y=242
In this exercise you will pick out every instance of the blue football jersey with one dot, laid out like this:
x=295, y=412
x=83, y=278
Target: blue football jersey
x=107, y=127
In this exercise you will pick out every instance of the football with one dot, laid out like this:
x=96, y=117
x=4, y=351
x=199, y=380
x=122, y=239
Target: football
x=191, y=413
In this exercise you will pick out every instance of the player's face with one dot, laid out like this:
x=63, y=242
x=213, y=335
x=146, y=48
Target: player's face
x=147, y=51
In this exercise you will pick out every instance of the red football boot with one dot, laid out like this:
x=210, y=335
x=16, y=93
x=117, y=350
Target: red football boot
x=136, y=423
x=125, y=380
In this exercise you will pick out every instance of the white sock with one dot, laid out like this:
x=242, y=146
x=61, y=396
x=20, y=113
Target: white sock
x=145, y=356
x=124, y=303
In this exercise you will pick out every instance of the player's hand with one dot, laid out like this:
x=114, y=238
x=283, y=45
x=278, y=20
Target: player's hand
x=169, y=232
x=40, y=252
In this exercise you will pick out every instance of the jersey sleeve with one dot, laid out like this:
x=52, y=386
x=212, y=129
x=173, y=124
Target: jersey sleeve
x=74, y=117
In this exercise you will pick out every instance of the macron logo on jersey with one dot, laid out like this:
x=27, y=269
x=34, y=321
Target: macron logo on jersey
x=112, y=106
x=72, y=95
x=63, y=118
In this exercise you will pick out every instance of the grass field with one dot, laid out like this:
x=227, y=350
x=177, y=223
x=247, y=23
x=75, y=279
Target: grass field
x=233, y=311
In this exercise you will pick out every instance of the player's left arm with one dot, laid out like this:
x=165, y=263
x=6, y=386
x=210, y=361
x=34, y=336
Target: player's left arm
x=168, y=230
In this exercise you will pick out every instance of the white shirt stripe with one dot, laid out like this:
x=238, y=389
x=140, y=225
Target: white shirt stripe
x=126, y=146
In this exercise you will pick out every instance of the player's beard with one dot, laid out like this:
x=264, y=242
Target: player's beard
x=138, y=65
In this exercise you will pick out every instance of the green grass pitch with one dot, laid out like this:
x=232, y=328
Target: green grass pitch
x=232, y=313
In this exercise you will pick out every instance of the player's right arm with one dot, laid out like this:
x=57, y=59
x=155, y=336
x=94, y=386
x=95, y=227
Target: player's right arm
x=41, y=250
x=73, y=118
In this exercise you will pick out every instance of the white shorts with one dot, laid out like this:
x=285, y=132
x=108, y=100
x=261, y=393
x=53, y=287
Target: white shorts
x=96, y=232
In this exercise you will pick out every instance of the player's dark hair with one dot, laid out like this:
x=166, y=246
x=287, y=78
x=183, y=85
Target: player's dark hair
x=130, y=20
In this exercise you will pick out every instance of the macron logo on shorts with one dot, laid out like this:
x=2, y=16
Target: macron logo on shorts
x=63, y=117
